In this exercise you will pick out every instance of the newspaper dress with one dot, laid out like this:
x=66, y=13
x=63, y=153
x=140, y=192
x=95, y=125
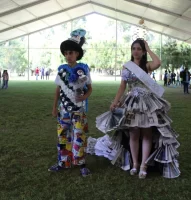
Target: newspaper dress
x=139, y=108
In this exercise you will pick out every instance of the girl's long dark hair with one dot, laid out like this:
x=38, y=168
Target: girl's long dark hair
x=5, y=72
x=143, y=60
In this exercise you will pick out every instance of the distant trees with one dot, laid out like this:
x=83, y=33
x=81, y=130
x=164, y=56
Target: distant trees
x=13, y=56
x=102, y=53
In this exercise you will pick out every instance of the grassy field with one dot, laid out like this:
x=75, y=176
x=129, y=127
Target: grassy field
x=28, y=148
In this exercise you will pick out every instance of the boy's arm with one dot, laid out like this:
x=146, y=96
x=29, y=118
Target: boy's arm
x=89, y=91
x=86, y=95
x=56, y=97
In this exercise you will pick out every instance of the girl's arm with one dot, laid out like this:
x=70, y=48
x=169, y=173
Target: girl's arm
x=119, y=94
x=155, y=63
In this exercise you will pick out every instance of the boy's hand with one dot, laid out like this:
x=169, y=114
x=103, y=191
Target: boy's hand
x=81, y=98
x=54, y=112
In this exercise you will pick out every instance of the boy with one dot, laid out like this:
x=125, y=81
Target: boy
x=73, y=88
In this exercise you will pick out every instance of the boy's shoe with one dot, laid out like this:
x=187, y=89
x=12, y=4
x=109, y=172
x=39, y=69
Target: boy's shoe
x=85, y=172
x=55, y=168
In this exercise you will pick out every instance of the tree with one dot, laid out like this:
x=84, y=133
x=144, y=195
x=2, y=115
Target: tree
x=62, y=59
x=101, y=55
x=185, y=51
x=45, y=59
x=124, y=33
x=13, y=56
x=175, y=54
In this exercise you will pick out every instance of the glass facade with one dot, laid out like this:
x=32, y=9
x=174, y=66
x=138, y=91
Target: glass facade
x=107, y=47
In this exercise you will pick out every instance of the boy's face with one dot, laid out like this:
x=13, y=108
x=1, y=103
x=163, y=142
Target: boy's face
x=71, y=56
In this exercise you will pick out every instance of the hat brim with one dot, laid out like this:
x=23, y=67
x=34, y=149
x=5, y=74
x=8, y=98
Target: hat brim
x=69, y=45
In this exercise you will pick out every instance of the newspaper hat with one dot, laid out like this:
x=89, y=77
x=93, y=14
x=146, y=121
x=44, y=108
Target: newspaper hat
x=74, y=43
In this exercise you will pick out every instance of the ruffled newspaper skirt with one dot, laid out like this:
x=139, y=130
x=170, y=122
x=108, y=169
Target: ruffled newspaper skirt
x=140, y=109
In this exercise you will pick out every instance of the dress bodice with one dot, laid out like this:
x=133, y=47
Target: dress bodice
x=73, y=83
x=131, y=79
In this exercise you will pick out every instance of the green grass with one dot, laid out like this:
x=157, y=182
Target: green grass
x=28, y=148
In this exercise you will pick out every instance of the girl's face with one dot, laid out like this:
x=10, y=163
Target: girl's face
x=137, y=51
x=71, y=56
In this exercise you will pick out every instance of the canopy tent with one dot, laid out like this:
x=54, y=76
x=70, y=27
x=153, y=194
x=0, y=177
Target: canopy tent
x=23, y=17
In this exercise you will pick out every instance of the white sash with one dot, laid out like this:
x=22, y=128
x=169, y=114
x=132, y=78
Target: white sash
x=144, y=78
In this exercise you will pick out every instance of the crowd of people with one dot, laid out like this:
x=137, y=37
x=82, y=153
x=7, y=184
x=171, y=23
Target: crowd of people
x=42, y=72
x=171, y=78
x=178, y=79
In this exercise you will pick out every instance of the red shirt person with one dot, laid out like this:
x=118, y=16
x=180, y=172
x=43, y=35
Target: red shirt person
x=37, y=73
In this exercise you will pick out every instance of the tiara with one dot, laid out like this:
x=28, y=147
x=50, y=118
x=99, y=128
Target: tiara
x=141, y=31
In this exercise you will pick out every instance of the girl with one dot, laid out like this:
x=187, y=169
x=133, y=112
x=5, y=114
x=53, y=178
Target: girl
x=5, y=77
x=143, y=133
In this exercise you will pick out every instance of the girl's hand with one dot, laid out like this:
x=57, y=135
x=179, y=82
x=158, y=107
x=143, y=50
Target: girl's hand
x=113, y=106
x=146, y=46
x=54, y=112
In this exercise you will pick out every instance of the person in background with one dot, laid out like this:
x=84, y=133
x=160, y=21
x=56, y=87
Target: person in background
x=5, y=77
x=0, y=77
x=42, y=73
x=186, y=80
x=165, y=78
x=153, y=76
x=37, y=73
x=47, y=73
x=178, y=79
x=169, y=78
x=173, y=76
x=181, y=77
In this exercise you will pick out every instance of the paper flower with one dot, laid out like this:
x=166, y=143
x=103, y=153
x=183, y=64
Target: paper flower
x=73, y=78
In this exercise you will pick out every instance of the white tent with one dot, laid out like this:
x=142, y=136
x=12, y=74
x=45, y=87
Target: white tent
x=23, y=17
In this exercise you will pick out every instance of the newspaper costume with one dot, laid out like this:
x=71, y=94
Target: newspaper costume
x=72, y=126
x=142, y=107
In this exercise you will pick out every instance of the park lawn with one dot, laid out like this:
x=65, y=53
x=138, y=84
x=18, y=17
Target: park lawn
x=28, y=148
